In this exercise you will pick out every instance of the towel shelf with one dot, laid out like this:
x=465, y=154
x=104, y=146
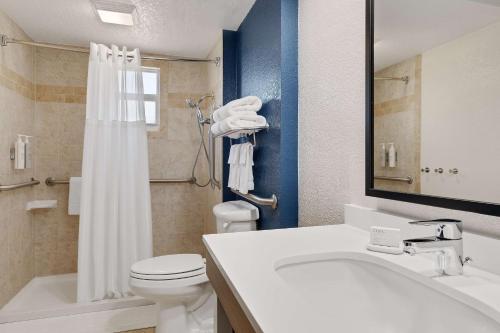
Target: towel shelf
x=20, y=185
x=51, y=181
x=408, y=179
x=246, y=130
x=272, y=201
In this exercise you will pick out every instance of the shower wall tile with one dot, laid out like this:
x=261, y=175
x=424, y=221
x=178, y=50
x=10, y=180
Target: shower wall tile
x=178, y=210
x=60, y=86
x=16, y=117
x=187, y=77
x=61, y=68
x=47, y=93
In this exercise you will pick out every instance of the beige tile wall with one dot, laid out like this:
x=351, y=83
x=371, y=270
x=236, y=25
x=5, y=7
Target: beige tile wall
x=59, y=128
x=397, y=120
x=16, y=117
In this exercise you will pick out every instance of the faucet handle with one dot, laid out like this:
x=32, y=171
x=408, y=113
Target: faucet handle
x=447, y=229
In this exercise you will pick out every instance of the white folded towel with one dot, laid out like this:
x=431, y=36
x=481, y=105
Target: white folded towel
x=75, y=189
x=238, y=121
x=246, y=105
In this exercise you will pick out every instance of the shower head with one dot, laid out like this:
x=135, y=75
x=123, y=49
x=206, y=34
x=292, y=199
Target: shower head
x=196, y=106
x=190, y=103
x=205, y=97
x=193, y=105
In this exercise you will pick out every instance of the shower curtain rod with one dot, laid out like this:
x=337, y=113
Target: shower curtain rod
x=5, y=40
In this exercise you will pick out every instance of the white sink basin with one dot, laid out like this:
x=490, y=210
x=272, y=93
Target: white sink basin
x=357, y=292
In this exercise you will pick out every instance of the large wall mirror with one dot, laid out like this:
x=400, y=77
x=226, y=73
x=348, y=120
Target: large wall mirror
x=433, y=102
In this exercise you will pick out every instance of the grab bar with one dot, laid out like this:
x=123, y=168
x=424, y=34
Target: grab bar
x=211, y=165
x=11, y=187
x=405, y=79
x=272, y=201
x=408, y=179
x=51, y=181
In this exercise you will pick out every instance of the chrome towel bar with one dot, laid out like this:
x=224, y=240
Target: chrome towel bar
x=408, y=179
x=272, y=201
x=20, y=185
x=51, y=181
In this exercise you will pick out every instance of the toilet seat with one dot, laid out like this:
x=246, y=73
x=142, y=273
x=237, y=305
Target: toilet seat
x=163, y=277
x=169, y=267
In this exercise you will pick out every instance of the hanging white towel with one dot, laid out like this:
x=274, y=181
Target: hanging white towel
x=238, y=121
x=245, y=168
x=246, y=105
x=233, y=161
x=75, y=190
x=242, y=180
x=249, y=168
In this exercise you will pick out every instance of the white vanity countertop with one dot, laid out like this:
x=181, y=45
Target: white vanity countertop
x=247, y=262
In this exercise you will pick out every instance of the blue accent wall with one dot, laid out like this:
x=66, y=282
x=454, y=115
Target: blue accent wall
x=261, y=59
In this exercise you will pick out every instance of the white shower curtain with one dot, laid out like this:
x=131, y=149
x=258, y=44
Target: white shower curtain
x=115, y=213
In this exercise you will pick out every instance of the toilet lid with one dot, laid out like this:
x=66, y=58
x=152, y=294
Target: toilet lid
x=176, y=264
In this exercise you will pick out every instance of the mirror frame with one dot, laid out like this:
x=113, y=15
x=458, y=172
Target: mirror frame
x=370, y=190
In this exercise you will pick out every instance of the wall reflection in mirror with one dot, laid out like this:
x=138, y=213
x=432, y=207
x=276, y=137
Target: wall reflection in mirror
x=437, y=98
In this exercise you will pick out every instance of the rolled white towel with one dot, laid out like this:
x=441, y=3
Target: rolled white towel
x=238, y=121
x=246, y=105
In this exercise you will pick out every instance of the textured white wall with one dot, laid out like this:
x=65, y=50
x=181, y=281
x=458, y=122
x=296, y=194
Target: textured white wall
x=331, y=130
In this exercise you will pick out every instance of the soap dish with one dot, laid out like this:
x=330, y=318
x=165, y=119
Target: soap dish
x=385, y=249
x=41, y=204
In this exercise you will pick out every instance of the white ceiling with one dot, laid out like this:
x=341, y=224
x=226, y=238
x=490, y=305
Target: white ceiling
x=405, y=28
x=188, y=28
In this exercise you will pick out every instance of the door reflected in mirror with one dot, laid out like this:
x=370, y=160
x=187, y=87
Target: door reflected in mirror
x=436, y=98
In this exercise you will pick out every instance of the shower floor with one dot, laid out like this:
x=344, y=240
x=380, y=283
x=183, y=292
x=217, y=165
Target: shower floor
x=54, y=296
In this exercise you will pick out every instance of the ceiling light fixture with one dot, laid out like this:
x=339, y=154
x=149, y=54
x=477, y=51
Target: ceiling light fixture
x=115, y=12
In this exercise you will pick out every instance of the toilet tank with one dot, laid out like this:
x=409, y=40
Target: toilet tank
x=235, y=216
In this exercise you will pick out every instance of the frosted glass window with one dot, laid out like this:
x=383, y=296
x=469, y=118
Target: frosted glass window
x=151, y=88
x=151, y=85
x=150, y=80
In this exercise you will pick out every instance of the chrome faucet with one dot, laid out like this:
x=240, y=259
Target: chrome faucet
x=447, y=244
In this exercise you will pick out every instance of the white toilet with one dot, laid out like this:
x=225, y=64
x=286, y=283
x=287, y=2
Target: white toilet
x=178, y=283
